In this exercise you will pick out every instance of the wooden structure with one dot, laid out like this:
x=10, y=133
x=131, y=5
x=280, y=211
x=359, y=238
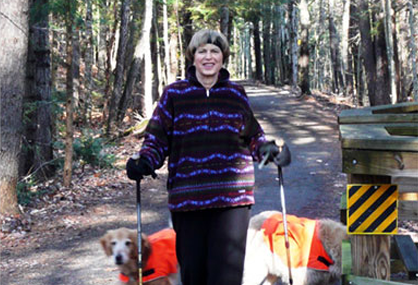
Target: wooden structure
x=380, y=146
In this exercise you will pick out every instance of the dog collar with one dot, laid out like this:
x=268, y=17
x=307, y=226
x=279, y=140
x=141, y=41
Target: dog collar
x=125, y=278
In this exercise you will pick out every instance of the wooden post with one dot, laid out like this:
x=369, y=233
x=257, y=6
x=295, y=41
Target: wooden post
x=370, y=253
x=380, y=146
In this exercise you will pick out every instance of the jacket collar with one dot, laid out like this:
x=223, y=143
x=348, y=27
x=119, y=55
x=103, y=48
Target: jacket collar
x=223, y=76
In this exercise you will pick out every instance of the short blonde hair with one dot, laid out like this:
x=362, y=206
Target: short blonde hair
x=203, y=37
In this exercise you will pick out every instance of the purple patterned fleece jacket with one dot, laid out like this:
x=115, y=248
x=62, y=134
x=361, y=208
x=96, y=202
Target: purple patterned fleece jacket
x=211, y=138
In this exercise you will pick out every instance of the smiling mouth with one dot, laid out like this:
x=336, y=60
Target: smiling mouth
x=208, y=65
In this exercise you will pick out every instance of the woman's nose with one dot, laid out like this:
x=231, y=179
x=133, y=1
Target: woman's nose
x=208, y=54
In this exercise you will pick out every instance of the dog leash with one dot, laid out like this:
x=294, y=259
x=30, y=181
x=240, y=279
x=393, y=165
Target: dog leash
x=286, y=233
x=139, y=238
x=138, y=220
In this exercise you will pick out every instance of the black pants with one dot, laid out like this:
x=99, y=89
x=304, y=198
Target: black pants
x=211, y=245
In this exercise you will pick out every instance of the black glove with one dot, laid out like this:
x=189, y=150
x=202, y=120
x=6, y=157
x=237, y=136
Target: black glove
x=136, y=169
x=281, y=157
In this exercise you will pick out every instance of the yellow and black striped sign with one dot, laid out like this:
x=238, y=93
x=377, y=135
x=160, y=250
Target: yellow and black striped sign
x=372, y=209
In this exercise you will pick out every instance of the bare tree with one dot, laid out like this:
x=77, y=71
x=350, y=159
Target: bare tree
x=304, y=48
x=13, y=53
x=334, y=50
x=119, y=72
x=257, y=48
x=69, y=104
x=413, y=46
x=387, y=20
x=224, y=21
x=142, y=50
x=37, y=143
x=167, y=77
x=293, y=46
x=89, y=62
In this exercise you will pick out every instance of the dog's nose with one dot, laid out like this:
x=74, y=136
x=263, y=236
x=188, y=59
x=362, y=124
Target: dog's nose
x=119, y=259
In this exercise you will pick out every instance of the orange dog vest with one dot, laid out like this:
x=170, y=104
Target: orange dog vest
x=163, y=259
x=306, y=250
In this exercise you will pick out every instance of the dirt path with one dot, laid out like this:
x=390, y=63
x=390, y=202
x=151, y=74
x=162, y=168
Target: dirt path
x=62, y=246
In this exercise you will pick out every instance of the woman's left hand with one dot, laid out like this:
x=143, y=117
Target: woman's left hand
x=279, y=155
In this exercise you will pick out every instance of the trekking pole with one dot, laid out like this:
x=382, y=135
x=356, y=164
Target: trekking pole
x=139, y=239
x=286, y=233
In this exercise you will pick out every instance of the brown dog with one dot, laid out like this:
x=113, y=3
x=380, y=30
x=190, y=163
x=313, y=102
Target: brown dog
x=158, y=255
x=315, y=250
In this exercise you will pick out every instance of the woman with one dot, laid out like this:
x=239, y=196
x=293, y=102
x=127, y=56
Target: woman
x=205, y=125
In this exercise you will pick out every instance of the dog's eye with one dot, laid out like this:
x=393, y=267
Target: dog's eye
x=128, y=243
x=113, y=243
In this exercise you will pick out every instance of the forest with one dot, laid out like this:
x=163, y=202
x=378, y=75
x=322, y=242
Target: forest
x=77, y=75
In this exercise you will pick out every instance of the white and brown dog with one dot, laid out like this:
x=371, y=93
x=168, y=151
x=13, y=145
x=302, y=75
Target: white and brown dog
x=160, y=265
x=315, y=250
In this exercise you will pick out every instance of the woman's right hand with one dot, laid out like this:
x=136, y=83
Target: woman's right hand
x=136, y=169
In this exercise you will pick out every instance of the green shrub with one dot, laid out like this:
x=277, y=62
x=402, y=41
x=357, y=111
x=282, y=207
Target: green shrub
x=91, y=150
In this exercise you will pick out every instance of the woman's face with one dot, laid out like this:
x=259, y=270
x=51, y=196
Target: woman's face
x=208, y=60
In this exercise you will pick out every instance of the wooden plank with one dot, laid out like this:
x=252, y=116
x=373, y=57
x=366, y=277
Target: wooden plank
x=407, y=184
x=358, y=280
x=408, y=210
x=346, y=257
x=408, y=253
x=408, y=196
x=373, y=162
x=398, y=113
x=370, y=254
x=343, y=208
x=377, y=137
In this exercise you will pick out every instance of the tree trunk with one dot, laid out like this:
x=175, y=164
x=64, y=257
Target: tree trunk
x=304, y=48
x=387, y=20
x=114, y=111
x=69, y=105
x=13, y=56
x=78, y=94
x=167, y=78
x=352, y=82
x=88, y=62
x=187, y=24
x=172, y=75
x=345, y=55
x=224, y=22
x=292, y=43
x=247, y=51
x=257, y=49
x=367, y=51
x=182, y=57
x=279, y=54
x=267, y=43
x=156, y=56
x=413, y=46
x=382, y=63
x=334, y=50
x=320, y=48
x=37, y=143
x=102, y=40
x=108, y=69
x=140, y=50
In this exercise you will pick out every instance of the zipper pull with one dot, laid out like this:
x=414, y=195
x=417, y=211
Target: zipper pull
x=207, y=93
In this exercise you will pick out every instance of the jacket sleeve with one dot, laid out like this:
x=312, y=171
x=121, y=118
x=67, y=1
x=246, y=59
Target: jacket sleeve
x=156, y=145
x=252, y=132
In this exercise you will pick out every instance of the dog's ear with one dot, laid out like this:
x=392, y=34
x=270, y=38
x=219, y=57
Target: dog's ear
x=105, y=242
x=146, y=249
x=133, y=237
